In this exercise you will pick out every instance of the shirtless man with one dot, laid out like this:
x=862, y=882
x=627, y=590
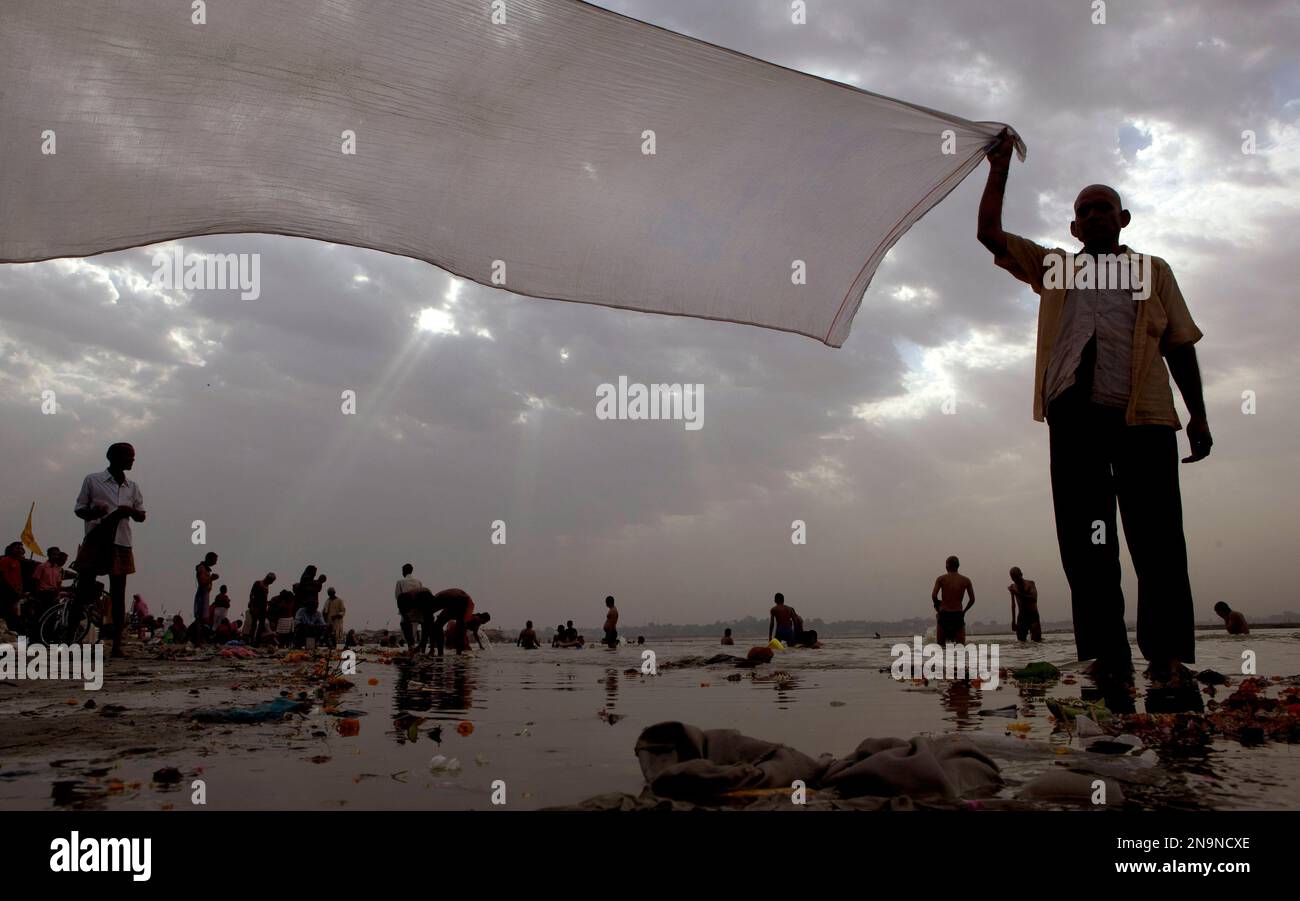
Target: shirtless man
x=528, y=638
x=781, y=620
x=1025, y=592
x=454, y=605
x=611, y=623
x=950, y=614
x=1233, y=620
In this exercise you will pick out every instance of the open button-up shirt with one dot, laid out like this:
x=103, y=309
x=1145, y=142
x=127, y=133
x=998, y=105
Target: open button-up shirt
x=1161, y=324
x=102, y=488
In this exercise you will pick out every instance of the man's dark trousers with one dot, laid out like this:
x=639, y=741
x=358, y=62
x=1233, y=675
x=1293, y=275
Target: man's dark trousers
x=1097, y=460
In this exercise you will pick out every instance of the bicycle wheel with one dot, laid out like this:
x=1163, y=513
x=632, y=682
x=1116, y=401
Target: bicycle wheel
x=55, y=628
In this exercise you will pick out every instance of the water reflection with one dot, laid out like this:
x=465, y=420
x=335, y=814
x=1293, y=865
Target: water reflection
x=611, y=688
x=443, y=688
x=962, y=700
x=785, y=684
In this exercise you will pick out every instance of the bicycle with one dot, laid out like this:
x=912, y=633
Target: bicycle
x=69, y=622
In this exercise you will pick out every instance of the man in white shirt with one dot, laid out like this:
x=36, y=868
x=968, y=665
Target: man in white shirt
x=406, y=603
x=334, y=613
x=108, y=502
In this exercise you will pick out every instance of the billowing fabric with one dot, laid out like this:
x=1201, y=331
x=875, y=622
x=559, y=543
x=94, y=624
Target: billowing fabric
x=512, y=153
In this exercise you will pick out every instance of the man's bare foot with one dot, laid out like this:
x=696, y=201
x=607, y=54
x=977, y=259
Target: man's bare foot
x=1169, y=674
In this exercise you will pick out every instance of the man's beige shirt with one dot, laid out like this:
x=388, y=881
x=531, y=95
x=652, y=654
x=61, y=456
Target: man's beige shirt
x=1162, y=324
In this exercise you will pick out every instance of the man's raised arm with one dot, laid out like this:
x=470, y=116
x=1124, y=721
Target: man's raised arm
x=990, y=231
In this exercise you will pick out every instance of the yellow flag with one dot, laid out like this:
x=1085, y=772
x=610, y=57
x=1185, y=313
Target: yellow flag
x=29, y=540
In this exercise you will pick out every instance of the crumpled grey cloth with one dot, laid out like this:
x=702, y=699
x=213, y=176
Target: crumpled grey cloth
x=948, y=766
x=681, y=761
x=684, y=762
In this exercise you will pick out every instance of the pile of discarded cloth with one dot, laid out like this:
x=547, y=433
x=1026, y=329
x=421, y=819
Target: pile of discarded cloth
x=688, y=767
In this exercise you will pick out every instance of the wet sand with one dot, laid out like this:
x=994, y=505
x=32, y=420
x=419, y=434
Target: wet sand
x=535, y=723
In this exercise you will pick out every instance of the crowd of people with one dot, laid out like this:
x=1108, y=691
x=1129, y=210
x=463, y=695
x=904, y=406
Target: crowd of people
x=109, y=502
x=953, y=595
x=566, y=634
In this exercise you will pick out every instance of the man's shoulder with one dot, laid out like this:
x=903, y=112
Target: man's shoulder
x=1155, y=260
x=1159, y=265
x=1022, y=244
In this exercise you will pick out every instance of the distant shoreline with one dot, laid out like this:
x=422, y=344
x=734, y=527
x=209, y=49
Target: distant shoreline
x=827, y=632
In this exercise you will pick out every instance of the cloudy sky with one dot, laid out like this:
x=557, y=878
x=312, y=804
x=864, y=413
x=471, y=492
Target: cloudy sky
x=476, y=405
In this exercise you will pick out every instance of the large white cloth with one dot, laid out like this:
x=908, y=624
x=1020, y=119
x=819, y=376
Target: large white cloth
x=512, y=153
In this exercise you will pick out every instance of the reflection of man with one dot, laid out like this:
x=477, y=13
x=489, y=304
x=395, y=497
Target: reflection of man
x=108, y=503
x=1100, y=382
x=1024, y=595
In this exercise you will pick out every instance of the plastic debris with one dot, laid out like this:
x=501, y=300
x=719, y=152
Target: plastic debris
x=1087, y=728
x=272, y=710
x=440, y=765
x=1010, y=710
x=1067, y=709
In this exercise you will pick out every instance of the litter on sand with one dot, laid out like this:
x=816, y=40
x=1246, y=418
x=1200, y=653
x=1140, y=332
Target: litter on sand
x=271, y=710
